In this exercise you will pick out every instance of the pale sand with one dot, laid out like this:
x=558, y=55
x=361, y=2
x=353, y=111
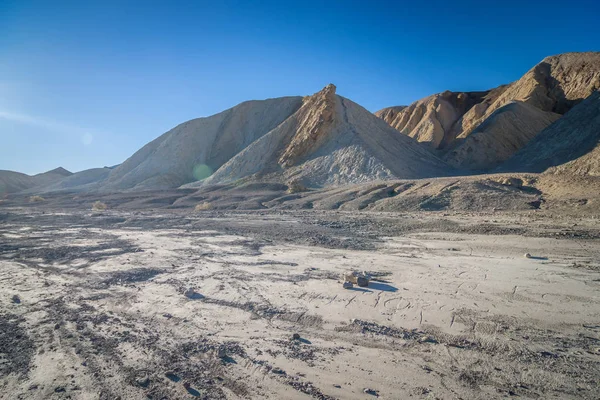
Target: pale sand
x=487, y=321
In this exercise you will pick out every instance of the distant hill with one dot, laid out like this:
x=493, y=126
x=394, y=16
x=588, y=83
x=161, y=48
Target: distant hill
x=12, y=182
x=466, y=129
x=87, y=180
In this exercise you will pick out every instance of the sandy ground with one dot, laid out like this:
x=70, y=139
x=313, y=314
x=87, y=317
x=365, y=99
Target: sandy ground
x=135, y=305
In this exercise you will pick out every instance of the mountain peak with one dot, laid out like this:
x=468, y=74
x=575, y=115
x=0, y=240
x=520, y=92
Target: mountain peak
x=56, y=171
x=316, y=119
x=330, y=88
x=61, y=171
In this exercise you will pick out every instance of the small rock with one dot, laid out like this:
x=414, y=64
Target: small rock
x=527, y=255
x=349, y=277
x=16, y=299
x=372, y=392
x=362, y=281
x=296, y=336
x=143, y=381
x=167, y=315
x=347, y=285
x=511, y=181
x=222, y=352
x=59, y=389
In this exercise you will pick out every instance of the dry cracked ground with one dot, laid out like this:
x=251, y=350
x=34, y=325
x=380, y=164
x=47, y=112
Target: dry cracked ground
x=133, y=305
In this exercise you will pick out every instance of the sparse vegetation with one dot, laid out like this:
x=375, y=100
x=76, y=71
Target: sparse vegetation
x=295, y=186
x=99, y=206
x=36, y=199
x=203, y=206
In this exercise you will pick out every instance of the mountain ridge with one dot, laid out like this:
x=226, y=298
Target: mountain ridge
x=327, y=140
x=554, y=85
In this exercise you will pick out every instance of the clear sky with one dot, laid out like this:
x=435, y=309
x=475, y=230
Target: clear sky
x=86, y=83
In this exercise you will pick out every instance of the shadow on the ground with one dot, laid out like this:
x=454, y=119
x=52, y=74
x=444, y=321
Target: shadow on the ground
x=384, y=287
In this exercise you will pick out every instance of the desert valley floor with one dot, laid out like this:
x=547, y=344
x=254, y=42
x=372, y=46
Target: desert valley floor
x=173, y=305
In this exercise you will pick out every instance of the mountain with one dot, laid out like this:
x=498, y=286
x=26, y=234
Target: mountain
x=194, y=149
x=569, y=145
x=12, y=182
x=450, y=122
x=499, y=136
x=330, y=140
x=431, y=120
x=79, y=181
x=537, y=122
x=317, y=140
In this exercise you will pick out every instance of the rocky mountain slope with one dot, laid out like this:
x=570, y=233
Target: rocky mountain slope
x=569, y=145
x=330, y=140
x=431, y=120
x=12, y=182
x=315, y=141
x=195, y=148
x=499, y=136
x=448, y=121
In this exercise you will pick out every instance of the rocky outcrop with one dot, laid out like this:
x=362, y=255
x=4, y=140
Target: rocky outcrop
x=389, y=114
x=445, y=123
x=315, y=122
x=331, y=141
x=569, y=145
x=431, y=120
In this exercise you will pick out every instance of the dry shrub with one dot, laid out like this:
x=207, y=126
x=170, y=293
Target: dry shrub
x=296, y=186
x=203, y=206
x=99, y=206
x=36, y=199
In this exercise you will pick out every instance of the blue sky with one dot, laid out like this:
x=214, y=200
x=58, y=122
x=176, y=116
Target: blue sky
x=86, y=83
